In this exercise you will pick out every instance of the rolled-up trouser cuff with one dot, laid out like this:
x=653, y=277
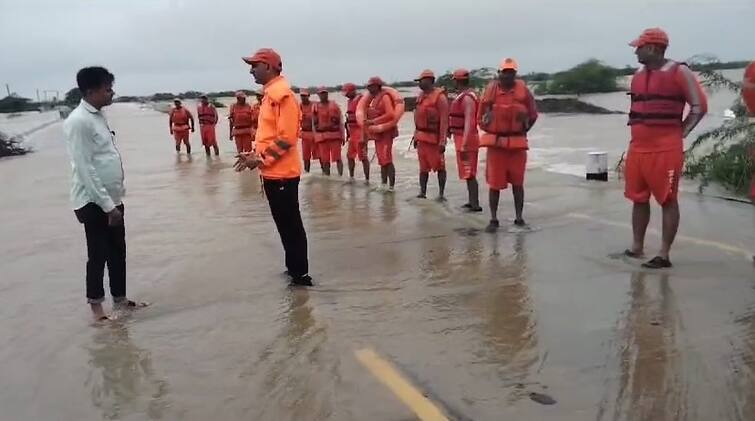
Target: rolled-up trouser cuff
x=95, y=300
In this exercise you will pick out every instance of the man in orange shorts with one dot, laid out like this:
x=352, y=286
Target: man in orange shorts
x=208, y=118
x=462, y=124
x=659, y=92
x=330, y=135
x=308, y=149
x=431, y=129
x=380, y=111
x=507, y=112
x=180, y=121
x=241, y=122
x=357, y=148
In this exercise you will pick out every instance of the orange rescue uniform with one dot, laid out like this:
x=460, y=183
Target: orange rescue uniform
x=208, y=118
x=307, y=132
x=431, y=128
x=505, y=116
x=242, y=119
x=357, y=148
x=330, y=131
x=179, y=118
x=379, y=111
x=462, y=124
x=655, y=156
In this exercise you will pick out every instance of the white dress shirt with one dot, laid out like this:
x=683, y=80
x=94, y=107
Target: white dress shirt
x=95, y=160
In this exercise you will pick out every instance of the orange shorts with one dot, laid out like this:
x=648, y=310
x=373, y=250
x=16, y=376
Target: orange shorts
x=181, y=136
x=384, y=150
x=467, y=167
x=357, y=149
x=655, y=173
x=430, y=157
x=208, y=135
x=504, y=167
x=308, y=147
x=243, y=142
x=329, y=151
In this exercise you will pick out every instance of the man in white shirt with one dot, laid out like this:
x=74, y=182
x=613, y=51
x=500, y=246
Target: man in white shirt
x=97, y=189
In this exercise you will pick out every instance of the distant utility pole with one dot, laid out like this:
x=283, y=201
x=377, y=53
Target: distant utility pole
x=37, y=95
x=7, y=88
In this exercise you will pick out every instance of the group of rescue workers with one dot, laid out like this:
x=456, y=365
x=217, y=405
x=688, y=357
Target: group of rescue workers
x=498, y=120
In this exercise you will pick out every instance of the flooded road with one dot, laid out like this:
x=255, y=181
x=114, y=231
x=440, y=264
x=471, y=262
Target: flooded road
x=482, y=325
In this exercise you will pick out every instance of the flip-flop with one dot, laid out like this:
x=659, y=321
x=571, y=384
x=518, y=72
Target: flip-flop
x=657, y=262
x=633, y=255
x=133, y=304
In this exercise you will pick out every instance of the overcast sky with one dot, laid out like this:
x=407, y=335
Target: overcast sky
x=179, y=45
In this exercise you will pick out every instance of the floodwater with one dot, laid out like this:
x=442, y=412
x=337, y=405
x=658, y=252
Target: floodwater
x=476, y=322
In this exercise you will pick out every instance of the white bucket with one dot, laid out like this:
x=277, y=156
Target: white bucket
x=597, y=166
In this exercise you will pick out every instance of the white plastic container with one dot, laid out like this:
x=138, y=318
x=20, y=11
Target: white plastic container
x=597, y=166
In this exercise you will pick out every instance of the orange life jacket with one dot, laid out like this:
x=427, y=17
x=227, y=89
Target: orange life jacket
x=657, y=98
x=206, y=115
x=243, y=119
x=427, y=117
x=456, y=116
x=504, y=117
x=328, y=121
x=307, y=112
x=351, y=112
x=378, y=115
x=748, y=90
x=180, y=119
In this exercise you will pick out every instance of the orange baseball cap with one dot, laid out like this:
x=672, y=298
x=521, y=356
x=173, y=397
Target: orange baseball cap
x=267, y=56
x=375, y=80
x=321, y=90
x=460, y=74
x=348, y=87
x=425, y=73
x=651, y=36
x=303, y=92
x=240, y=94
x=508, y=64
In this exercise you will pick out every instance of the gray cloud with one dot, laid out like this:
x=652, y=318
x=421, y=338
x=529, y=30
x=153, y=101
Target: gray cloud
x=180, y=45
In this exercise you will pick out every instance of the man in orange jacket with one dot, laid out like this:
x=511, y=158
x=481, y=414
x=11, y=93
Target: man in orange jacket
x=241, y=123
x=431, y=129
x=357, y=148
x=462, y=124
x=180, y=121
x=208, y=118
x=330, y=132
x=277, y=157
x=659, y=92
x=379, y=110
x=507, y=112
x=308, y=148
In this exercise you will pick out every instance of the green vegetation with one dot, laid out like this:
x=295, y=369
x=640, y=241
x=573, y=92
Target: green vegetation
x=724, y=155
x=17, y=104
x=591, y=76
x=72, y=97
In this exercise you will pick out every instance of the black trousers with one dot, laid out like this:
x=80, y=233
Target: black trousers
x=283, y=197
x=105, y=245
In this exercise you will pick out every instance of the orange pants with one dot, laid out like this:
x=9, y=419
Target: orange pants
x=504, y=167
x=243, y=142
x=329, y=151
x=467, y=167
x=181, y=136
x=653, y=173
x=384, y=149
x=209, y=137
x=430, y=157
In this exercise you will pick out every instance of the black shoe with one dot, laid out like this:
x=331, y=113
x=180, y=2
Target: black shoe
x=421, y=196
x=492, y=226
x=520, y=223
x=472, y=209
x=466, y=206
x=657, y=262
x=304, y=281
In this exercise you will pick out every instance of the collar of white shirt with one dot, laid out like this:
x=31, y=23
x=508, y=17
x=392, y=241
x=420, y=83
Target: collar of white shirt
x=89, y=107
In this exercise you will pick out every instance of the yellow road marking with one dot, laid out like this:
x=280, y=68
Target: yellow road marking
x=425, y=409
x=709, y=243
